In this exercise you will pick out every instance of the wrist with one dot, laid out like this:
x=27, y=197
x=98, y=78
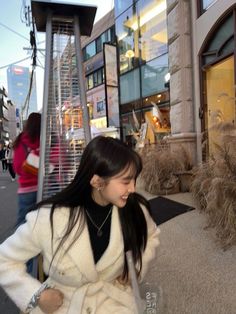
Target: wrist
x=35, y=298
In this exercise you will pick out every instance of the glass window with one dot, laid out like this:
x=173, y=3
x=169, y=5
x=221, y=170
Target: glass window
x=153, y=75
x=103, y=38
x=98, y=44
x=121, y=6
x=90, y=81
x=103, y=76
x=90, y=50
x=129, y=86
x=107, y=36
x=127, y=35
x=207, y=3
x=153, y=29
x=112, y=34
x=99, y=77
x=220, y=85
x=96, y=78
x=222, y=42
x=74, y=61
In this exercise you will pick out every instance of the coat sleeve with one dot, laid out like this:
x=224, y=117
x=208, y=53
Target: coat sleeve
x=152, y=243
x=19, y=157
x=15, y=251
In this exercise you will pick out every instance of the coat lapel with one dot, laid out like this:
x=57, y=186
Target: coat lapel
x=116, y=244
x=80, y=252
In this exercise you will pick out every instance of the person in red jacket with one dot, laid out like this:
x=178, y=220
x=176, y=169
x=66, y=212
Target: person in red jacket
x=26, y=141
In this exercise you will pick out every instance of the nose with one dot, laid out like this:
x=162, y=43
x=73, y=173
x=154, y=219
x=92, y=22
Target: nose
x=131, y=188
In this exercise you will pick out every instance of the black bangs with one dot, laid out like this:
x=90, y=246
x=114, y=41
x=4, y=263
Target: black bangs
x=130, y=162
x=118, y=157
x=134, y=167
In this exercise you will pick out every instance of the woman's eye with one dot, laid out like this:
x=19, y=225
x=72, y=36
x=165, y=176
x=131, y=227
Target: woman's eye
x=126, y=182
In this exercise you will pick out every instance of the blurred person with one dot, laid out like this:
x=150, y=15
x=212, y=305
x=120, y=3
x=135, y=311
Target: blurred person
x=26, y=141
x=9, y=159
x=2, y=158
x=83, y=234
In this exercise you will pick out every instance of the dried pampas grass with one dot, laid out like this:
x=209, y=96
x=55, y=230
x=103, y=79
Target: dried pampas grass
x=214, y=187
x=161, y=167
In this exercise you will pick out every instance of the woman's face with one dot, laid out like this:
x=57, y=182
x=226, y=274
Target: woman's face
x=115, y=190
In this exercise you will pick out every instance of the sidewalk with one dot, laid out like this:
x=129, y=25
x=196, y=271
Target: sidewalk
x=184, y=198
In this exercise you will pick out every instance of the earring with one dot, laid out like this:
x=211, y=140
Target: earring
x=98, y=189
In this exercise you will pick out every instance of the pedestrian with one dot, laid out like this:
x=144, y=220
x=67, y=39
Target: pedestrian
x=2, y=158
x=83, y=233
x=9, y=159
x=26, y=141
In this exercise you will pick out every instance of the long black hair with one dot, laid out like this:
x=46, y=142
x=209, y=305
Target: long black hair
x=32, y=128
x=105, y=157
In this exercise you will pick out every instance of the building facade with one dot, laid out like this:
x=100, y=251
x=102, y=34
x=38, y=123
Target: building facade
x=192, y=41
x=94, y=52
x=213, y=63
x=201, y=40
x=18, y=80
x=94, y=60
x=8, y=120
x=141, y=30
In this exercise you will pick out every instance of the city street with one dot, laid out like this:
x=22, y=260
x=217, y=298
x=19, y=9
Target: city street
x=8, y=211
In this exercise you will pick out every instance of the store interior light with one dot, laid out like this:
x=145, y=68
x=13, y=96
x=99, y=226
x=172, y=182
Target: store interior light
x=129, y=54
x=167, y=77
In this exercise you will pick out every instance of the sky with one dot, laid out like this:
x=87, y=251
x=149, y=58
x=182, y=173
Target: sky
x=14, y=34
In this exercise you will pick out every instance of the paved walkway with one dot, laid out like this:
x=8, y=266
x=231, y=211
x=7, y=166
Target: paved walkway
x=185, y=198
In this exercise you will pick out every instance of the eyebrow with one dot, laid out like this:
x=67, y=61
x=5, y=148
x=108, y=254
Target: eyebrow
x=129, y=177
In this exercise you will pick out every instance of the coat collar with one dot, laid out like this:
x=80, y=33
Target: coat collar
x=81, y=251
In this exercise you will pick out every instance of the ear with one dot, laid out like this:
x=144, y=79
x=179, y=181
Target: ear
x=96, y=182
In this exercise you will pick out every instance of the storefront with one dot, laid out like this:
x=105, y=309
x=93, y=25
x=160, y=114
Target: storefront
x=213, y=53
x=143, y=64
x=218, y=78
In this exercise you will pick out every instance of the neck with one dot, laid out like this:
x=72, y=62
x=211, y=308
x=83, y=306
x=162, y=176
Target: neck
x=97, y=197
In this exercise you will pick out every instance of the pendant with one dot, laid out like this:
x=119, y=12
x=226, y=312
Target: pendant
x=99, y=233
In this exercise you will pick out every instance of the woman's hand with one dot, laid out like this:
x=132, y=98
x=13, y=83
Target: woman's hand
x=50, y=300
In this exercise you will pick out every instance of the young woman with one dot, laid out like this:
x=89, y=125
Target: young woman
x=83, y=233
x=26, y=141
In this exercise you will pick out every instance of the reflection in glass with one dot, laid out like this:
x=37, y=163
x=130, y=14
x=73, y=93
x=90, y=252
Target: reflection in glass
x=153, y=29
x=153, y=75
x=90, y=51
x=127, y=40
x=207, y=3
x=220, y=97
x=122, y=5
x=129, y=86
x=222, y=41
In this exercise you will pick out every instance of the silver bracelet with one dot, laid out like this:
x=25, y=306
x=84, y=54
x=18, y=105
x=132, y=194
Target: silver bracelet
x=34, y=300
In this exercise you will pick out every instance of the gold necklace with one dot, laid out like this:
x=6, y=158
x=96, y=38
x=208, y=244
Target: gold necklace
x=99, y=229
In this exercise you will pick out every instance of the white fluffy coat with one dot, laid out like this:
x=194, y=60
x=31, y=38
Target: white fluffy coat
x=87, y=287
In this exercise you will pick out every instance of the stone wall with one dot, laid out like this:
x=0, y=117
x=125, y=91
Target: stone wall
x=181, y=78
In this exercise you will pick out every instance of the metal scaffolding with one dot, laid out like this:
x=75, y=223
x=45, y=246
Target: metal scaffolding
x=65, y=120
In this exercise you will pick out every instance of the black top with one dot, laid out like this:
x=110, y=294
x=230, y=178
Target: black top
x=98, y=214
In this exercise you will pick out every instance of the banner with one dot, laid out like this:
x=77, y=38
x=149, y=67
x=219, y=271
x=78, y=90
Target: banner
x=111, y=85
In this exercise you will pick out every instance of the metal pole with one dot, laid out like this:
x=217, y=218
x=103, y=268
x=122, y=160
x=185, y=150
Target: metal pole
x=80, y=69
x=41, y=174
